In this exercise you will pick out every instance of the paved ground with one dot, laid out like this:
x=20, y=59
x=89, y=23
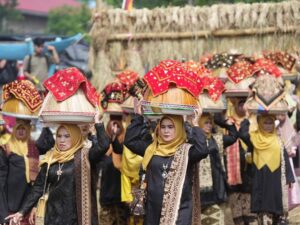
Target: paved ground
x=294, y=217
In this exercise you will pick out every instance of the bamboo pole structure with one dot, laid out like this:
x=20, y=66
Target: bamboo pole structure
x=204, y=33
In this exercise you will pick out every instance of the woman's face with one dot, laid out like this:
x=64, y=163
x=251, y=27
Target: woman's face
x=207, y=128
x=63, y=139
x=281, y=118
x=115, y=128
x=167, y=130
x=268, y=125
x=21, y=133
x=239, y=107
x=85, y=129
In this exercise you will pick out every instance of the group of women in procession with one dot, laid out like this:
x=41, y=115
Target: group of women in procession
x=191, y=166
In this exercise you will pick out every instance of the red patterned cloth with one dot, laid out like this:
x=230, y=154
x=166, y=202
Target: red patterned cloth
x=197, y=68
x=266, y=65
x=170, y=71
x=64, y=83
x=214, y=86
x=284, y=59
x=114, y=92
x=128, y=78
x=233, y=164
x=239, y=71
x=25, y=91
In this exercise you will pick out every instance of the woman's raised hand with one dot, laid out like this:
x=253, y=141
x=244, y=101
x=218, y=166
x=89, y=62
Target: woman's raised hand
x=16, y=218
x=99, y=115
x=197, y=115
x=138, y=106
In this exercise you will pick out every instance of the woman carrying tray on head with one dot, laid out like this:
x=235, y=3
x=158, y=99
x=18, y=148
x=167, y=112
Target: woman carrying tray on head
x=172, y=193
x=19, y=154
x=271, y=170
x=69, y=178
x=213, y=189
x=19, y=160
x=238, y=169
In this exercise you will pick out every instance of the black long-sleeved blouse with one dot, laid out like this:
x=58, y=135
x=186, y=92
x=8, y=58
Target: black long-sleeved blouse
x=159, y=165
x=61, y=205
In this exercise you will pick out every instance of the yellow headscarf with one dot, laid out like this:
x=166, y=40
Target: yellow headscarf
x=266, y=146
x=20, y=147
x=162, y=148
x=203, y=119
x=64, y=156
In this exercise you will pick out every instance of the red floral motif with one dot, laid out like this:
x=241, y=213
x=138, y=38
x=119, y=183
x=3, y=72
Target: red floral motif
x=25, y=91
x=267, y=66
x=239, y=71
x=64, y=83
x=128, y=78
x=284, y=59
x=170, y=71
x=197, y=68
x=214, y=86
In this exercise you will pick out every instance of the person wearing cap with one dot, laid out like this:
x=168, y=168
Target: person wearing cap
x=37, y=65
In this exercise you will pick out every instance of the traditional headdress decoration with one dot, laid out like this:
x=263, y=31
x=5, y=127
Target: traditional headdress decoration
x=21, y=99
x=221, y=60
x=171, y=89
x=71, y=98
x=170, y=71
x=267, y=96
x=265, y=66
x=197, y=68
x=283, y=59
x=239, y=78
x=210, y=99
x=113, y=96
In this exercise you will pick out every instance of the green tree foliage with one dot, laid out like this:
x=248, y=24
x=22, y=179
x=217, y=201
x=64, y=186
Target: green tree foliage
x=68, y=20
x=8, y=12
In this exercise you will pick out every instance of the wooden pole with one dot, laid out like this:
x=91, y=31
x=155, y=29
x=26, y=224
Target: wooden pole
x=204, y=33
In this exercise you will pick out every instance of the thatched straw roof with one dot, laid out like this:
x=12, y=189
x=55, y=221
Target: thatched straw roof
x=141, y=38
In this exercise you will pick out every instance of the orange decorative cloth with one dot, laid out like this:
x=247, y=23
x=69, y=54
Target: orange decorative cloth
x=170, y=71
x=64, y=83
x=239, y=71
x=267, y=66
x=25, y=91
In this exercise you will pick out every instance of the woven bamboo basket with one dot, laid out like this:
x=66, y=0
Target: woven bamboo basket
x=210, y=106
x=16, y=108
x=289, y=75
x=267, y=96
x=74, y=109
x=277, y=108
x=175, y=101
x=240, y=89
x=114, y=108
x=128, y=105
